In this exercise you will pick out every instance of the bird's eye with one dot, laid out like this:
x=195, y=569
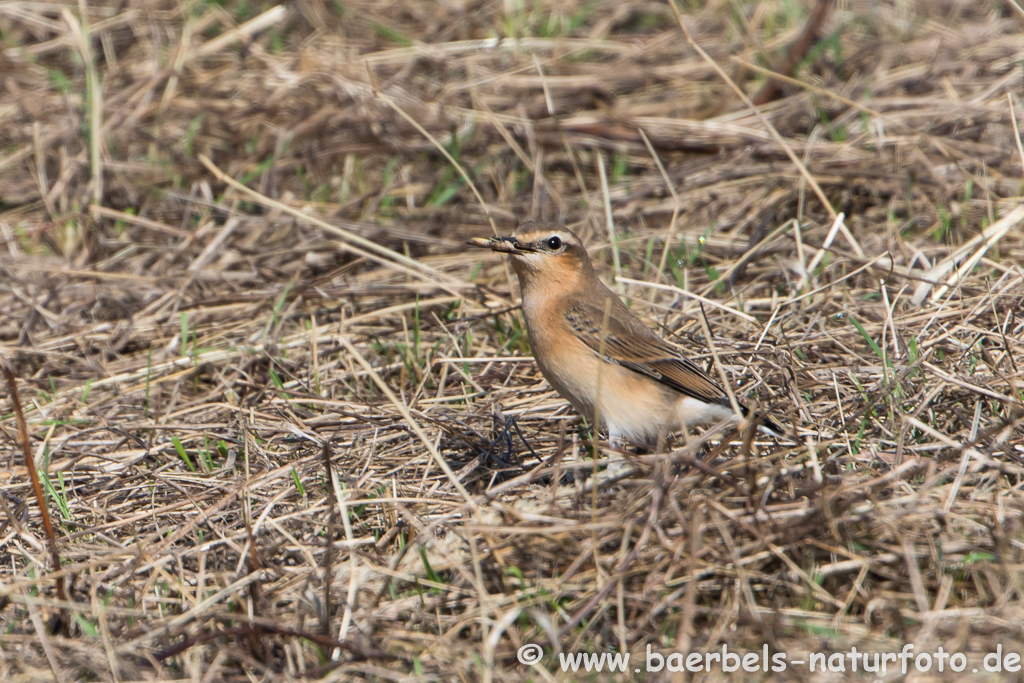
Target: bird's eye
x=554, y=243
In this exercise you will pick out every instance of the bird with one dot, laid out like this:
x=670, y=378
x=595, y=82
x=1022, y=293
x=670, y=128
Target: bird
x=596, y=353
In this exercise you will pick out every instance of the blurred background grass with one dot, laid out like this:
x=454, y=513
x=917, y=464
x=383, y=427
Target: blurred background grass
x=190, y=351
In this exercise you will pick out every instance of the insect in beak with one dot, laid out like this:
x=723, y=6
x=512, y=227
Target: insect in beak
x=504, y=245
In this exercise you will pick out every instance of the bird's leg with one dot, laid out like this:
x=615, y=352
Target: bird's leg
x=617, y=444
x=661, y=445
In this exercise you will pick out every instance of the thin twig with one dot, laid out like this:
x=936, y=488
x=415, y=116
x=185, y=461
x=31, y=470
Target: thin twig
x=33, y=475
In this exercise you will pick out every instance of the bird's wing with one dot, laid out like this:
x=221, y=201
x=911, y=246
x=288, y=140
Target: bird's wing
x=631, y=344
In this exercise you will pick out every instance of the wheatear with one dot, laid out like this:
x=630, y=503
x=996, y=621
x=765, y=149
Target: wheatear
x=596, y=353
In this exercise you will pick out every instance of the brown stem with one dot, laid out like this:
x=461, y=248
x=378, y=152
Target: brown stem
x=51, y=537
x=772, y=90
x=325, y=618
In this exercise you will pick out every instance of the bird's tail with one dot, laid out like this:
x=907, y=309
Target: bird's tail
x=766, y=423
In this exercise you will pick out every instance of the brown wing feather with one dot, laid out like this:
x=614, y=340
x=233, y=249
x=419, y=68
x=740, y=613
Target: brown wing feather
x=631, y=344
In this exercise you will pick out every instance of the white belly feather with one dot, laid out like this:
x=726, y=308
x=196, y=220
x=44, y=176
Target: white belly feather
x=632, y=406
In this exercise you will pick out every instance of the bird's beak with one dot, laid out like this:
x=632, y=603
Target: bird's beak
x=504, y=245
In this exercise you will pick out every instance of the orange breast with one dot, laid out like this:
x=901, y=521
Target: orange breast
x=631, y=405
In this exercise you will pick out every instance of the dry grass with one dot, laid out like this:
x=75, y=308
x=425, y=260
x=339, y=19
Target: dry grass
x=190, y=351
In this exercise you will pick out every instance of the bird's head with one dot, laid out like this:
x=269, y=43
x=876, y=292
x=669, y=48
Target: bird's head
x=542, y=253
